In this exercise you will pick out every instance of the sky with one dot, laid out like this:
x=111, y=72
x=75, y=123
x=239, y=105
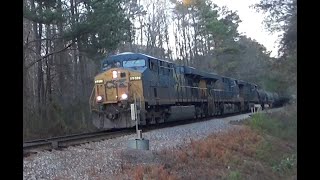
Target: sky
x=252, y=23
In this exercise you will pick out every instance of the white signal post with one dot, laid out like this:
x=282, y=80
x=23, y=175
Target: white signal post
x=139, y=143
x=134, y=116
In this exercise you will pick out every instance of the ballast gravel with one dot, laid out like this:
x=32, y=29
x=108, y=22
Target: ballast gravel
x=106, y=158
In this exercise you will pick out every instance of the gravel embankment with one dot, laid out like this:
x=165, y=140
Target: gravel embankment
x=105, y=158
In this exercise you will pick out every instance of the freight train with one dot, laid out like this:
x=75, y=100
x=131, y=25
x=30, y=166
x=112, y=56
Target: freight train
x=164, y=91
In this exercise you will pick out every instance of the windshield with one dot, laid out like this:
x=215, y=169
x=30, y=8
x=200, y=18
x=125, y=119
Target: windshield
x=134, y=63
x=109, y=65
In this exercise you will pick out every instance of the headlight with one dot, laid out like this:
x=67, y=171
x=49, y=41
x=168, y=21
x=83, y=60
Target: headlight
x=98, y=81
x=132, y=78
x=114, y=74
x=124, y=96
x=99, y=98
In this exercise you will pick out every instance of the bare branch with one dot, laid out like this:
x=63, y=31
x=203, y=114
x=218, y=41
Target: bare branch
x=47, y=55
x=44, y=39
x=32, y=50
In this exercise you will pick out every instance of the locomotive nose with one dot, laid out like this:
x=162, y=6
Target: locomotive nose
x=116, y=85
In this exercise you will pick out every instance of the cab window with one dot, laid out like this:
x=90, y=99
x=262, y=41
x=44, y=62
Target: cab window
x=134, y=63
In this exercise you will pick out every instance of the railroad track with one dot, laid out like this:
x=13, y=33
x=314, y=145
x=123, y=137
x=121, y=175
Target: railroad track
x=60, y=142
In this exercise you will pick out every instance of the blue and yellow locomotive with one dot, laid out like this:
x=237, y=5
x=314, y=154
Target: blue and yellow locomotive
x=164, y=91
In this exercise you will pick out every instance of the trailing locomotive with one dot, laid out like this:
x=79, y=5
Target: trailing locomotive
x=164, y=91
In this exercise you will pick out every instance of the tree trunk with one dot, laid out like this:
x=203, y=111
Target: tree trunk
x=74, y=18
x=40, y=85
x=48, y=64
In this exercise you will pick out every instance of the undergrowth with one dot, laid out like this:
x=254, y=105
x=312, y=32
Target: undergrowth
x=264, y=148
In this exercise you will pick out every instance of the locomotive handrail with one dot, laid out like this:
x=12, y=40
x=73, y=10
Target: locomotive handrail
x=193, y=87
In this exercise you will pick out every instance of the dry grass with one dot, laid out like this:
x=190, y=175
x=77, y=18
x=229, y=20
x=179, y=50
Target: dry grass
x=158, y=172
x=263, y=150
x=214, y=157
